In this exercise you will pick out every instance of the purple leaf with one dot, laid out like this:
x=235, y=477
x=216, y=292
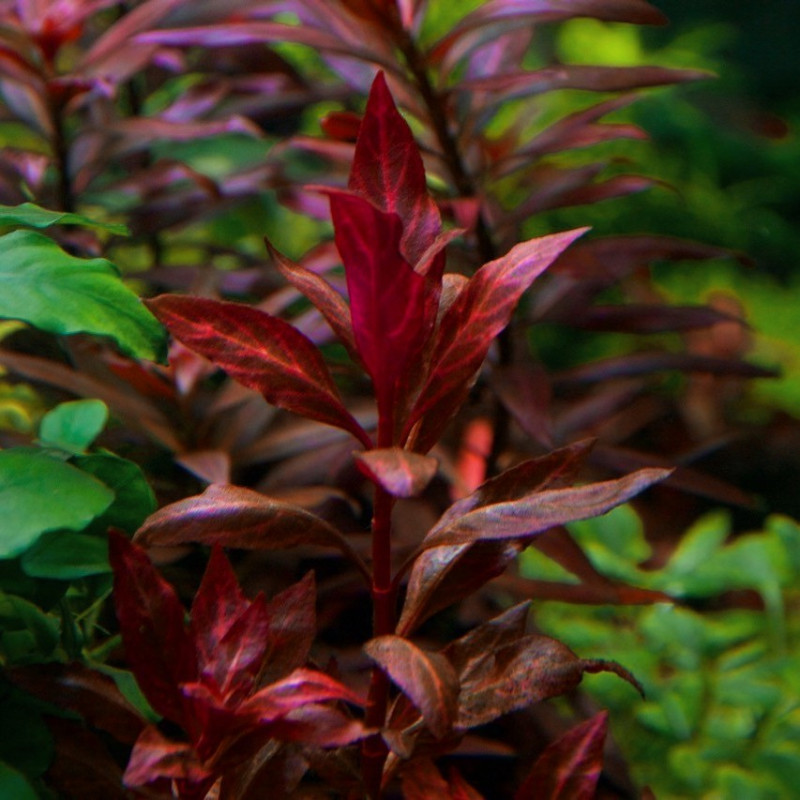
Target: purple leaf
x=262, y=352
x=158, y=648
x=480, y=311
x=154, y=756
x=400, y=472
x=570, y=766
x=427, y=679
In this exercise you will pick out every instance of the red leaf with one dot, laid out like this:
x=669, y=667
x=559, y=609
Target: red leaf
x=154, y=756
x=262, y=352
x=341, y=125
x=422, y=781
x=541, y=510
x=400, y=472
x=393, y=308
x=230, y=631
x=292, y=628
x=570, y=766
x=158, y=648
x=326, y=299
x=236, y=517
x=388, y=171
x=427, y=679
x=480, y=311
x=318, y=726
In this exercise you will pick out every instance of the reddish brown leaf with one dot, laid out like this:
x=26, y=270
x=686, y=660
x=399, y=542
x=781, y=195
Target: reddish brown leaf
x=318, y=726
x=423, y=781
x=427, y=679
x=460, y=789
x=237, y=517
x=540, y=510
x=400, y=472
x=570, y=767
x=442, y=576
x=480, y=311
x=341, y=125
x=650, y=318
x=262, y=352
x=501, y=669
x=158, y=648
x=388, y=171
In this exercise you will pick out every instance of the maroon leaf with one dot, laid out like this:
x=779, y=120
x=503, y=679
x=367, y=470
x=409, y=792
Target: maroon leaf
x=388, y=171
x=292, y=628
x=158, y=648
x=460, y=789
x=262, y=352
x=650, y=318
x=318, y=726
x=230, y=632
x=393, y=307
x=400, y=472
x=427, y=679
x=570, y=766
x=326, y=299
x=541, y=510
x=480, y=311
x=237, y=517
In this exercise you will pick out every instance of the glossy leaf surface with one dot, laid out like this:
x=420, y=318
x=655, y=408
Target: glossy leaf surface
x=262, y=352
x=400, y=472
x=42, y=284
x=32, y=216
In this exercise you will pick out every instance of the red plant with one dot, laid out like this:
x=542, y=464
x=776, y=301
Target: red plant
x=421, y=336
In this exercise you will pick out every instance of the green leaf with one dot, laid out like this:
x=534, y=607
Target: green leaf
x=39, y=494
x=73, y=426
x=126, y=683
x=33, y=216
x=134, y=499
x=66, y=556
x=14, y=784
x=59, y=293
x=27, y=634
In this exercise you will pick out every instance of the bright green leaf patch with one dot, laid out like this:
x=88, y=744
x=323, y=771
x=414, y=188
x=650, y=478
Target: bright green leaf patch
x=40, y=494
x=43, y=285
x=32, y=216
x=66, y=556
x=73, y=426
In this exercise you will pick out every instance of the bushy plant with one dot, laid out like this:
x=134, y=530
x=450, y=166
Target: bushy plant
x=382, y=445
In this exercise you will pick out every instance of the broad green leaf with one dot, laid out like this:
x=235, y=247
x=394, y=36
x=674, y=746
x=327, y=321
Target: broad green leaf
x=126, y=683
x=66, y=556
x=39, y=494
x=14, y=784
x=75, y=425
x=134, y=500
x=43, y=285
x=33, y=216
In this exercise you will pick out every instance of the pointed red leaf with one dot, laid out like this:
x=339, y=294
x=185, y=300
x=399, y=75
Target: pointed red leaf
x=327, y=300
x=480, y=311
x=262, y=352
x=318, y=726
x=393, y=308
x=237, y=517
x=541, y=510
x=158, y=647
x=570, y=766
x=427, y=679
x=400, y=472
x=388, y=171
x=422, y=781
x=292, y=628
x=460, y=789
x=154, y=756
